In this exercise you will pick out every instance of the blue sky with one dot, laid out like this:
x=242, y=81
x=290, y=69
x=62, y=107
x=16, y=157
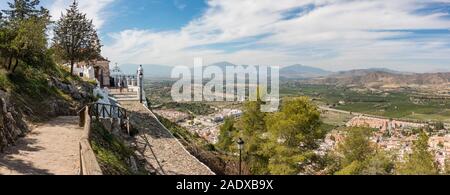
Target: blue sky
x=152, y=14
x=411, y=35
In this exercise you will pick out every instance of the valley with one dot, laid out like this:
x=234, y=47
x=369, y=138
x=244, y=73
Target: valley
x=393, y=110
x=402, y=104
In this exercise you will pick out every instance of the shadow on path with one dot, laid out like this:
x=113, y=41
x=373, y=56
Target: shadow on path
x=9, y=163
x=51, y=148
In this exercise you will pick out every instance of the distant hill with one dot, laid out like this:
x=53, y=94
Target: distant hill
x=290, y=72
x=223, y=65
x=382, y=79
x=362, y=72
x=300, y=71
x=373, y=77
x=150, y=70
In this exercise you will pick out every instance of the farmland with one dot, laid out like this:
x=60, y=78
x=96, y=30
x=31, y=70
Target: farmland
x=392, y=104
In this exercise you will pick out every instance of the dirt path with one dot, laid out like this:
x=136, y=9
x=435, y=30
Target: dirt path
x=165, y=152
x=50, y=149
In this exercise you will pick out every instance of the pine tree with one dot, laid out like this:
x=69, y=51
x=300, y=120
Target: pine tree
x=358, y=156
x=253, y=118
x=226, y=136
x=253, y=128
x=379, y=163
x=356, y=146
x=75, y=37
x=293, y=135
x=421, y=161
x=24, y=9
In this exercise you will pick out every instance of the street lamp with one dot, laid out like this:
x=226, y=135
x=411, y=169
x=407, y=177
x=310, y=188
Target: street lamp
x=141, y=76
x=240, y=143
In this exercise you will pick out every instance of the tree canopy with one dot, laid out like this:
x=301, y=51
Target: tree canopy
x=24, y=9
x=23, y=34
x=76, y=37
x=226, y=135
x=357, y=155
x=294, y=133
x=421, y=161
x=276, y=143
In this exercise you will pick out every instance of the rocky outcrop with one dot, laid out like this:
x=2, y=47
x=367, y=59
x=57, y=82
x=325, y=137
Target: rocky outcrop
x=12, y=125
x=80, y=92
x=17, y=109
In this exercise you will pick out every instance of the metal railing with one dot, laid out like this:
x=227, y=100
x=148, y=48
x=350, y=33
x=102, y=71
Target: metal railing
x=88, y=162
x=107, y=111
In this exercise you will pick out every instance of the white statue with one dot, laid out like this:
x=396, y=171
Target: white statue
x=140, y=70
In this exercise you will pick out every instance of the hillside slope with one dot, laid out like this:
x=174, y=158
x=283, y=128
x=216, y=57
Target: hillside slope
x=36, y=95
x=385, y=79
x=300, y=71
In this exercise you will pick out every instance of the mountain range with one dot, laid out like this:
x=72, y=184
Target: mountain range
x=382, y=79
x=300, y=71
x=372, y=77
x=288, y=72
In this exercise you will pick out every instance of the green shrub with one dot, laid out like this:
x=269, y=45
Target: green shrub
x=112, y=153
x=4, y=81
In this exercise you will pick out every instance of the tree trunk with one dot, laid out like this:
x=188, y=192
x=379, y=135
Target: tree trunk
x=10, y=62
x=5, y=63
x=15, y=65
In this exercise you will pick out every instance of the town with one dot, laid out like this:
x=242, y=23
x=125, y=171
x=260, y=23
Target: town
x=206, y=126
x=396, y=136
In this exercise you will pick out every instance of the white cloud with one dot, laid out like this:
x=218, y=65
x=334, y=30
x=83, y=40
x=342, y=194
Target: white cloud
x=94, y=9
x=338, y=34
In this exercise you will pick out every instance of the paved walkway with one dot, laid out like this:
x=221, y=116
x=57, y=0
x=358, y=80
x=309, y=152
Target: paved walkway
x=166, y=153
x=50, y=149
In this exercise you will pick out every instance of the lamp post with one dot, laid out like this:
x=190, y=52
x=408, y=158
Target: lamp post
x=141, y=76
x=240, y=143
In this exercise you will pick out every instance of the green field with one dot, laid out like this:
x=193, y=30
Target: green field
x=388, y=104
x=336, y=119
x=399, y=104
x=190, y=108
x=159, y=92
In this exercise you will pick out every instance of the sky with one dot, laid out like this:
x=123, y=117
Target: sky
x=407, y=35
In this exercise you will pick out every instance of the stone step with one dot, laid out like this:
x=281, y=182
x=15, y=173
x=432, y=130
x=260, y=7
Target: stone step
x=125, y=96
x=127, y=99
x=125, y=93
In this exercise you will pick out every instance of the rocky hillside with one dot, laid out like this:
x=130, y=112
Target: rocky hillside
x=33, y=95
x=379, y=79
x=300, y=71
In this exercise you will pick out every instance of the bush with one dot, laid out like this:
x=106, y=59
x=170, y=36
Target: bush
x=4, y=81
x=112, y=153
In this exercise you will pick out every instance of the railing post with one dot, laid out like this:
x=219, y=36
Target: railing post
x=82, y=115
x=97, y=114
x=128, y=126
x=103, y=111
